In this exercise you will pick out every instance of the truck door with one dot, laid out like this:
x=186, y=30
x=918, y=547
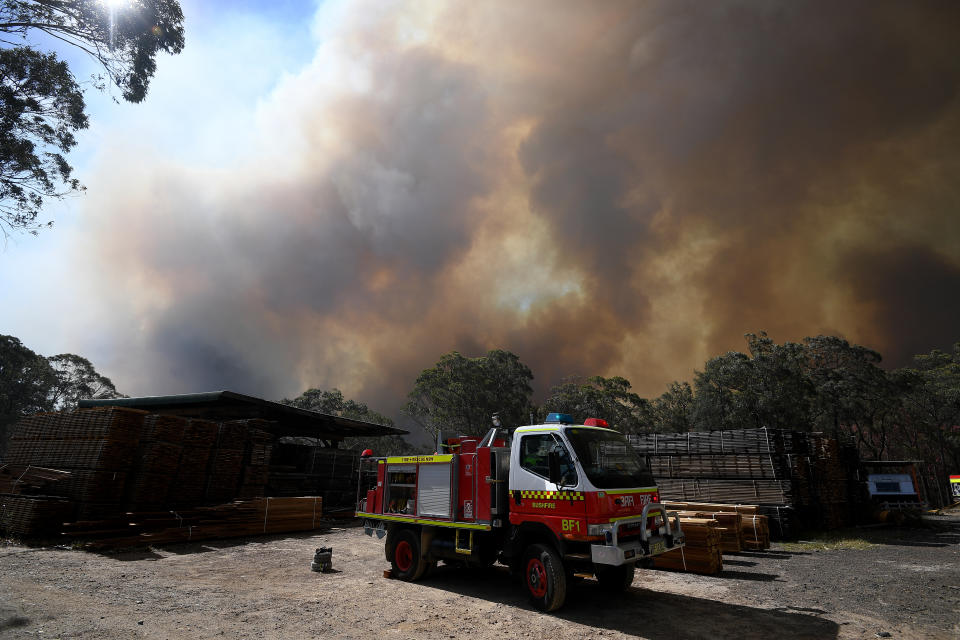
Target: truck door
x=532, y=495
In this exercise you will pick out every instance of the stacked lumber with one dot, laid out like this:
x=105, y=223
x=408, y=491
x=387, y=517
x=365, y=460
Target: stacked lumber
x=156, y=462
x=226, y=462
x=728, y=524
x=753, y=529
x=190, y=480
x=798, y=479
x=102, y=423
x=742, y=466
x=122, y=474
x=28, y=479
x=256, y=460
x=96, y=446
x=259, y=516
x=328, y=472
x=756, y=532
x=731, y=441
x=22, y=515
x=712, y=490
x=702, y=552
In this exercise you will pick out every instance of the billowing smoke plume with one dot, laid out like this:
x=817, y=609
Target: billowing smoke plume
x=603, y=188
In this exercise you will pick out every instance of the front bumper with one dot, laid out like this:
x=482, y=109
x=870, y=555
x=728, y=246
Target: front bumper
x=616, y=552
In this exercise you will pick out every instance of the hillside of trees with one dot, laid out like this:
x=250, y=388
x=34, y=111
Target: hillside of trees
x=822, y=383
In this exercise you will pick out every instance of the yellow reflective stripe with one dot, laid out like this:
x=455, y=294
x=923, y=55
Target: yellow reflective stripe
x=618, y=492
x=419, y=459
x=552, y=495
x=636, y=516
x=529, y=429
x=454, y=525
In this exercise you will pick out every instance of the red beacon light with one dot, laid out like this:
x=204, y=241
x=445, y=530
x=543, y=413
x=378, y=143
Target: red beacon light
x=595, y=422
x=367, y=453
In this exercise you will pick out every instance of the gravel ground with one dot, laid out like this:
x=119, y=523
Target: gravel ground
x=906, y=584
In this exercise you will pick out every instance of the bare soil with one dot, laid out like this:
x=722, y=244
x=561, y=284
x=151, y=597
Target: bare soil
x=906, y=584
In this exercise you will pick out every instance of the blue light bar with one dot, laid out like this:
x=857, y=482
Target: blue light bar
x=561, y=418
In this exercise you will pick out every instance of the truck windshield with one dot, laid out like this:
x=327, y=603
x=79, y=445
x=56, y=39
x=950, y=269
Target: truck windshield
x=608, y=459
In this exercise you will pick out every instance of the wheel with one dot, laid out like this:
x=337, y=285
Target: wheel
x=406, y=561
x=545, y=577
x=615, y=579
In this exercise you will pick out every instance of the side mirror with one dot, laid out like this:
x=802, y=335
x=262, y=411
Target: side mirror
x=553, y=460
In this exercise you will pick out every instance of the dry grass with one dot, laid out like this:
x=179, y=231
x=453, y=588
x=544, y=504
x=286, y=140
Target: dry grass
x=831, y=541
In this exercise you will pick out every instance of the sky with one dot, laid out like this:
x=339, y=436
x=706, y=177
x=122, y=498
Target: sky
x=336, y=194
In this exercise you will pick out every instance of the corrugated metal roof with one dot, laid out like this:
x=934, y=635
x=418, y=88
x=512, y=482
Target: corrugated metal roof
x=228, y=405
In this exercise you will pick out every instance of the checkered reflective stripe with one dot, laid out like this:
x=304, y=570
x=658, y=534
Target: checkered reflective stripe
x=552, y=495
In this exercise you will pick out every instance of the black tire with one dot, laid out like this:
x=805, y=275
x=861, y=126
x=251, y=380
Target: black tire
x=615, y=579
x=545, y=577
x=405, y=559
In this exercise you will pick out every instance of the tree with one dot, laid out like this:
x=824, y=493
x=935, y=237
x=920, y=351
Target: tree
x=75, y=378
x=673, y=411
x=332, y=402
x=767, y=388
x=723, y=395
x=781, y=391
x=41, y=102
x=599, y=397
x=461, y=394
x=853, y=396
x=930, y=428
x=25, y=379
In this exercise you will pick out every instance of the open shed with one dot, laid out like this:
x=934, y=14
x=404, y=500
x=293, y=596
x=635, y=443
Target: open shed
x=227, y=405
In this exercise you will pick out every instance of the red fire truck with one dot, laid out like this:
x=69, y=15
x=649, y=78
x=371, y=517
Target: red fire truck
x=549, y=501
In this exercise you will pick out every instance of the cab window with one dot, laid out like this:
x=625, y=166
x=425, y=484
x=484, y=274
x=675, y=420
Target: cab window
x=534, y=457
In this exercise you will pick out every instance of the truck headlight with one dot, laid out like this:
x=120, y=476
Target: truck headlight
x=605, y=530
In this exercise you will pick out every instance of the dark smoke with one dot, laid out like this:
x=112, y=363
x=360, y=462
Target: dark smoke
x=602, y=188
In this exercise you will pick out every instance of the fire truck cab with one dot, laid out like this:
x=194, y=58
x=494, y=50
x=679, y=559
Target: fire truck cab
x=549, y=501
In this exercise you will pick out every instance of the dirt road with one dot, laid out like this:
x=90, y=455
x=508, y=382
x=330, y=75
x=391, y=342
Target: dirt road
x=907, y=584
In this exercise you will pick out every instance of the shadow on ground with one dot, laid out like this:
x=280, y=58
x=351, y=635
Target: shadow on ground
x=206, y=546
x=13, y=622
x=640, y=611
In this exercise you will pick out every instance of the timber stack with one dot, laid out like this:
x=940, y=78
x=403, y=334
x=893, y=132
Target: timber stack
x=258, y=516
x=300, y=465
x=701, y=554
x=123, y=474
x=753, y=529
x=797, y=479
